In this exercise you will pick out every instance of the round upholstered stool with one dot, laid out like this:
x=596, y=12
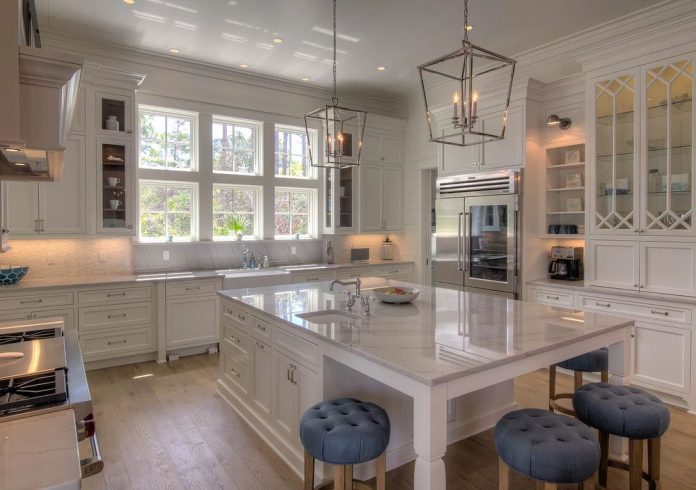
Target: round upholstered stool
x=547, y=447
x=592, y=362
x=344, y=432
x=625, y=411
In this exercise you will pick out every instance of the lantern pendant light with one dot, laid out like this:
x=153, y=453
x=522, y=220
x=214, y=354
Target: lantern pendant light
x=342, y=128
x=451, y=87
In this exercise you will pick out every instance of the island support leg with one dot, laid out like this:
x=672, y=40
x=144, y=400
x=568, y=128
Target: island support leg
x=430, y=437
x=619, y=369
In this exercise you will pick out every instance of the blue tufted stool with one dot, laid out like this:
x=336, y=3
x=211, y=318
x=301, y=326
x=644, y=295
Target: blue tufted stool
x=625, y=411
x=592, y=362
x=548, y=447
x=344, y=432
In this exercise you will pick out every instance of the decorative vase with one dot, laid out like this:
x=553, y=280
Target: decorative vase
x=240, y=235
x=111, y=123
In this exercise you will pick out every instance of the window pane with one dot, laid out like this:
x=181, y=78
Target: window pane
x=234, y=148
x=282, y=201
x=152, y=140
x=166, y=141
x=152, y=197
x=166, y=210
x=234, y=211
x=293, y=212
x=300, y=224
x=179, y=225
x=179, y=199
x=282, y=224
x=152, y=225
x=300, y=203
x=292, y=154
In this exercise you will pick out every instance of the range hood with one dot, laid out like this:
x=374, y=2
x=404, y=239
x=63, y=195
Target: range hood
x=38, y=94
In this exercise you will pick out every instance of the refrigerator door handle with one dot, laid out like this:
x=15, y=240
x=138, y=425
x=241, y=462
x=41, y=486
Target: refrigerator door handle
x=467, y=234
x=459, y=242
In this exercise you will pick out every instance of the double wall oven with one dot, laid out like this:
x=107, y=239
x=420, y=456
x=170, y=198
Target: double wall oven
x=41, y=371
x=475, y=244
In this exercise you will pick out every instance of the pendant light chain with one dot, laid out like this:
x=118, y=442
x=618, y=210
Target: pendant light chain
x=335, y=97
x=466, y=20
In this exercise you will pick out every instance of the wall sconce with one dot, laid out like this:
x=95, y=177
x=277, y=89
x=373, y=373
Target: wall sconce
x=562, y=122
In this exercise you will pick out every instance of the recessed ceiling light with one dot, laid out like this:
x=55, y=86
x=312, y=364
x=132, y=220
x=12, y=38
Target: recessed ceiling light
x=129, y=2
x=244, y=65
x=305, y=79
x=173, y=50
x=381, y=68
x=470, y=27
x=278, y=40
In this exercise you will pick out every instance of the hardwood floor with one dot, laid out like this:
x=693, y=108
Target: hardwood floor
x=163, y=426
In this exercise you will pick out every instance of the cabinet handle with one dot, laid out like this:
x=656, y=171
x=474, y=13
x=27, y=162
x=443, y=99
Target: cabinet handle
x=642, y=286
x=234, y=373
x=30, y=301
x=241, y=317
x=604, y=305
x=312, y=279
x=293, y=368
x=111, y=295
x=130, y=227
x=36, y=225
x=124, y=341
x=260, y=345
x=636, y=286
x=29, y=316
x=287, y=372
x=41, y=226
x=122, y=315
x=658, y=312
x=555, y=298
x=193, y=289
x=260, y=327
x=234, y=339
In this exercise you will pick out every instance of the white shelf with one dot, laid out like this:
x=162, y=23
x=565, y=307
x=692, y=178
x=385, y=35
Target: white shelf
x=566, y=189
x=567, y=165
x=563, y=236
x=565, y=212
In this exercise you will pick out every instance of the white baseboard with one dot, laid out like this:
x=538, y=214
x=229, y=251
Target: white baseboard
x=120, y=361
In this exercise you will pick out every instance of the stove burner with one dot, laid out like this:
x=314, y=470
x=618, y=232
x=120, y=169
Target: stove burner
x=46, y=333
x=30, y=391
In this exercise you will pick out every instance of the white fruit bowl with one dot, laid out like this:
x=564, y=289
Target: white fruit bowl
x=396, y=295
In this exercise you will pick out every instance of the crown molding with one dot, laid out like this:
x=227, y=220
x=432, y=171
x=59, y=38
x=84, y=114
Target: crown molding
x=103, y=53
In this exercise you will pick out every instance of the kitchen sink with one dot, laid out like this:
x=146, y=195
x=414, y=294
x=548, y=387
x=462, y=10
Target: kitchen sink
x=327, y=317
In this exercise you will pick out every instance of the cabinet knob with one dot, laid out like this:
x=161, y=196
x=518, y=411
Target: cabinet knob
x=635, y=286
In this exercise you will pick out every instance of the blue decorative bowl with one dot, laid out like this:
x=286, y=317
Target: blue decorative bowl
x=12, y=275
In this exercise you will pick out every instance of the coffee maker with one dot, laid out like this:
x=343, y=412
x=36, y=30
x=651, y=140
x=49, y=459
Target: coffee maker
x=566, y=263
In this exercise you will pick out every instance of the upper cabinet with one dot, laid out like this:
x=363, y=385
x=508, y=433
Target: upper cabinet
x=642, y=175
x=381, y=148
x=114, y=114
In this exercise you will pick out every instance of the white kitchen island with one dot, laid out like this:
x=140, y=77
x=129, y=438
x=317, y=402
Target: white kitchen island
x=411, y=359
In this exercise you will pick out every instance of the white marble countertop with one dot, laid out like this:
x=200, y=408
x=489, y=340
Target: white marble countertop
x=633, y=294
x=442, y=335
x=68, y=281
x=40, y=452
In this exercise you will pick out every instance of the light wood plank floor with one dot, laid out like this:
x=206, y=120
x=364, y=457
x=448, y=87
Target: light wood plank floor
x=163, y=426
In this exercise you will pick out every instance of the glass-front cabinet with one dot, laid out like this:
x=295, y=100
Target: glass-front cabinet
x=615, y=178
x=340, y=200
x=114, y=177
x=667, y=194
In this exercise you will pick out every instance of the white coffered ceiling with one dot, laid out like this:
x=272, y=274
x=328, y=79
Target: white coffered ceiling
x=398, y=34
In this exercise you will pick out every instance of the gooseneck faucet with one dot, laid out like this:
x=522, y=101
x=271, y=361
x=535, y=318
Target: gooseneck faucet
x=347, y=283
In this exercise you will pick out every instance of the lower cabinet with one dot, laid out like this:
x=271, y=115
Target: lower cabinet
x=661, y=357
x=263, y=379
x=191, y=321
x=66, y=314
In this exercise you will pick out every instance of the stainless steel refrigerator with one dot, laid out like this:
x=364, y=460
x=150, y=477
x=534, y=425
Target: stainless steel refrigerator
x=475, y=241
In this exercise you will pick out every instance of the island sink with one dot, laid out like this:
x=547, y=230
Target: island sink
x=328, y=317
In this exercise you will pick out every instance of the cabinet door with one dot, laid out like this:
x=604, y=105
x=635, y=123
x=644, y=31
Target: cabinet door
x=508, y=151
x=21, y=200
x=370, y=197
x=667, y=197
x=391, y=150
x=118, y=107
x=372, y=148
x=285, y=411
x=63, y=204
x=263, y=378
x=191, y=321
x=614, y=168
x=459, y=159
x=613, y=263
x=668, y=268
x=662, y=357
x=114, y=174
x=307, y=394
x=392, y=205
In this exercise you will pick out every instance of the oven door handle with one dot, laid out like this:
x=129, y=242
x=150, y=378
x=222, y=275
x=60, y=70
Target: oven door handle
x=94, y=464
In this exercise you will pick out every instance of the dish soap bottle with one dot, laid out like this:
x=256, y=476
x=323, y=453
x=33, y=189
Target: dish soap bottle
x=387, y=250
x=329, y=252
x=266, y=263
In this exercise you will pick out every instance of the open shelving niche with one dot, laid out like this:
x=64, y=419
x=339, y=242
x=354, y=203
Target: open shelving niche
x=565, y=179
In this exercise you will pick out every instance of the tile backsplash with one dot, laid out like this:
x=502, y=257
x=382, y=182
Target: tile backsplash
x=71, y=257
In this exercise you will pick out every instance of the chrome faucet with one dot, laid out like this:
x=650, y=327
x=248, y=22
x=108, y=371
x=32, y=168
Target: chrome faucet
x=350, y=296
x=245, y=252
x=347, y=283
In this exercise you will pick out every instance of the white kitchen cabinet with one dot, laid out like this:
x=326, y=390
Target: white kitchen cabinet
x=381, y=148
x=191, y=321
x=118, y=105
x=613, y=263
x=381, y=206
x=262, y=392
x=662, y=357
x=65, y=314
x=668, y=267
x=52, y=208
x=459, y=159
x=392, y=150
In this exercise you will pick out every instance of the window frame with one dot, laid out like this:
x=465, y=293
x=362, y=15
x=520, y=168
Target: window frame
x=194, y=186
x=169, y=112
x=258, y=151
x=258, y=211
x=311, y=143
x=312, y=212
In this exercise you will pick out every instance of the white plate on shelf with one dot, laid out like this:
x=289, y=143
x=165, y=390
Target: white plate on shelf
x=396, y=294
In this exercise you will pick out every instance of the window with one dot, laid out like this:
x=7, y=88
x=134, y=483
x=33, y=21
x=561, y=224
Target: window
x=167, y=139
x=167, y=211
x=294, y=215
x=292, y=153
x=236, y=146
x=236, y=210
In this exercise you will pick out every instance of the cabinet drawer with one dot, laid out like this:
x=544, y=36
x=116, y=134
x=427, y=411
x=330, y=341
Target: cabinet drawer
x=36, y=301
x=114, y=295
x=552, y=297
x=101, y=346
x=116, y=316
x=235, y=367
x=395, y=271
x=234, y=338
x=313, y=277
x=187, y=288
x=654, y=312
x=298, y=348
x=238, y=316
x=261, y=329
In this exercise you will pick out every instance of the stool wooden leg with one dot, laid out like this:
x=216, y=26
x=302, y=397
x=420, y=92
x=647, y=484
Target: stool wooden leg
x=578, y=380
x=552, y=386
x=308, y=471
x=348, y=484
x=635, y=464
x=339, y=477
x=503, y=475
x=588, y=484
x=550, y=486
x=382, y=471
x=604, y=461
x=654, y=463
x=605, y=375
